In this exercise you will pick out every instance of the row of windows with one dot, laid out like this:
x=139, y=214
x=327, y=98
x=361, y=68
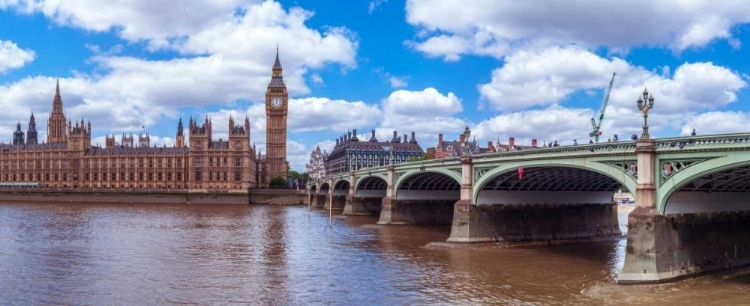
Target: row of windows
x=124, y=176
x=217, y=176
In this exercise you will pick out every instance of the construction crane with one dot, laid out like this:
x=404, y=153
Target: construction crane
x=595, y=126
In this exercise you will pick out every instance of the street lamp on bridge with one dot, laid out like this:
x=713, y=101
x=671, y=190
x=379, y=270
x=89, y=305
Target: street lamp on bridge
x=645, y=103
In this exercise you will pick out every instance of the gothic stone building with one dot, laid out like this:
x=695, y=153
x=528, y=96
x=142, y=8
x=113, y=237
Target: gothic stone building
x=316, y=168
x=68, y=160
x=352, y=154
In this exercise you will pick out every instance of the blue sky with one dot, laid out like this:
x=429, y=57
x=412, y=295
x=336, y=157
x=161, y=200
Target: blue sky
x=504, y=68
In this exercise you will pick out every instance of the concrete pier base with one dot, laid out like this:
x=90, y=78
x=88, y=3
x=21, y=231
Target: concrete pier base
x=491, y=223
x=338, y=202
x=319, y=200
x=435, y=212
x=664, y=248
x=362, y=206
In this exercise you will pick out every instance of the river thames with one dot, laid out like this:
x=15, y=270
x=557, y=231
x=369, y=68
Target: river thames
x=215, y=255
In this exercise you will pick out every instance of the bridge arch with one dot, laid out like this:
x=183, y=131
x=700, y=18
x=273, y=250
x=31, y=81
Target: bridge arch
x=440, y=184
x=324, y=187
x=371, y=186
x=341, y=187
x=715, y=185
x=574, y=175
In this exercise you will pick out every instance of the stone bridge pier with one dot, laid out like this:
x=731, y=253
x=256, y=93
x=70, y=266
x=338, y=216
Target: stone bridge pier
x=547, y=202
x=421, y=197
x=338, y=195
x=689, y=222
x=365, y=198
x=321, y=196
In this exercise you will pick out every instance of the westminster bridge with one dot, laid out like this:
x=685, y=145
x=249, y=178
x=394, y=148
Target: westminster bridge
x=691, y=194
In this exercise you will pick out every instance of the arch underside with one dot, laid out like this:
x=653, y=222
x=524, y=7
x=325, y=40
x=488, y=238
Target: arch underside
x=549, y=185
x=429, y=181
x=428, y=186
x=372, y=183
x=553, y=179
x=723, y=190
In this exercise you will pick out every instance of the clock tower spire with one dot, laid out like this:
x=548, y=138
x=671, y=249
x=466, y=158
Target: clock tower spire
x=277, y=99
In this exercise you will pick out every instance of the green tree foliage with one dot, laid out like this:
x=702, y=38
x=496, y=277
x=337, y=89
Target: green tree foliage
x=423, y=157
x=278, y=182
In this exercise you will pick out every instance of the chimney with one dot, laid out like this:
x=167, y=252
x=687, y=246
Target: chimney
x=372, y=137
x=413, y=139
x=533, y=142
x=337, y=141
x=354, y=135
x=348, y=135
x=395, y=136
x=440, y=138
x=406, y=138
x=511, y=142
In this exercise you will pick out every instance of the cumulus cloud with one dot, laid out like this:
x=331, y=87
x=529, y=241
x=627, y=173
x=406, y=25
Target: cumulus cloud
x=717, y=122
x=228, y=57
x=551, y=75
x=453, y=28
x=427, y=112
x=13, y=57
x=157, y=22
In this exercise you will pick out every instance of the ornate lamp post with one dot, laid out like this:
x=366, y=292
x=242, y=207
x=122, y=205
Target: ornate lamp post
x=645, y=103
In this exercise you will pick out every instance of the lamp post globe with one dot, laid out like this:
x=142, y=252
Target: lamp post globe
x=645, y=104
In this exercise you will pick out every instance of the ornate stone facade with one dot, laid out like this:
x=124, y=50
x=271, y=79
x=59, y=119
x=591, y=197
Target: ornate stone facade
x=277, y=106
x=68, y=160
x=350, y=154
x=316, y=168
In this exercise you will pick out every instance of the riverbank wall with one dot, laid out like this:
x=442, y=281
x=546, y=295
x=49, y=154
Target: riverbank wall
x=155, y=196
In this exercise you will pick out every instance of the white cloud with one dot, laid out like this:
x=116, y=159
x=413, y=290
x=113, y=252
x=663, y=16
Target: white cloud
x=397, y=82
x=717, y=122
x=13, y=57
x=426, y=103
x=452, y=28
x=317, y=114
x=374, y=4
x=551, y=75
x=316, y=79
x=158, y=22
x=427, y=112
x=230, y=59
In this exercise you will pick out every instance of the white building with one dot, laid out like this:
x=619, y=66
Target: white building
x=316, y=168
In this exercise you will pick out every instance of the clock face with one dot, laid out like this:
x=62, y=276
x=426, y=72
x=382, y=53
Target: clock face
x=276, y=102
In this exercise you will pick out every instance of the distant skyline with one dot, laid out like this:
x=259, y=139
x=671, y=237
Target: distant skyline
x=535, y=69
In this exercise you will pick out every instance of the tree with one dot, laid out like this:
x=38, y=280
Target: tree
x=418, y=158
x=278, y=182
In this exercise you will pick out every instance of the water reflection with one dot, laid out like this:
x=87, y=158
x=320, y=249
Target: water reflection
x=144, y=255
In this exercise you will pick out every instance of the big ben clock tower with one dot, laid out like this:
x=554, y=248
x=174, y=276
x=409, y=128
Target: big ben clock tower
x=277, y=103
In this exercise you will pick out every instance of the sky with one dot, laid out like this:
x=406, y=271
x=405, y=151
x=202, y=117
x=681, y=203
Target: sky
x=522, y=69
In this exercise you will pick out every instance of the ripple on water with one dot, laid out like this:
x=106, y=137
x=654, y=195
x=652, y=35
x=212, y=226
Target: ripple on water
x=160, y=254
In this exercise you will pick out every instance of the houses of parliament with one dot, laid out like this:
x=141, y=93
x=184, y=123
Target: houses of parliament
x=67, y=159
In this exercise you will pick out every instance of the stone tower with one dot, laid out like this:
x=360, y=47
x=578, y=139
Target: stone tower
x=31, y=134
x=144, y=140
x=18, y=135
x=56, y=125
x=180, y=138
x=79, y=136
x=277, y=105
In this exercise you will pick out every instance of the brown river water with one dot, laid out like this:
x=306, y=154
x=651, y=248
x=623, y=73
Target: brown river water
x=268, y=255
